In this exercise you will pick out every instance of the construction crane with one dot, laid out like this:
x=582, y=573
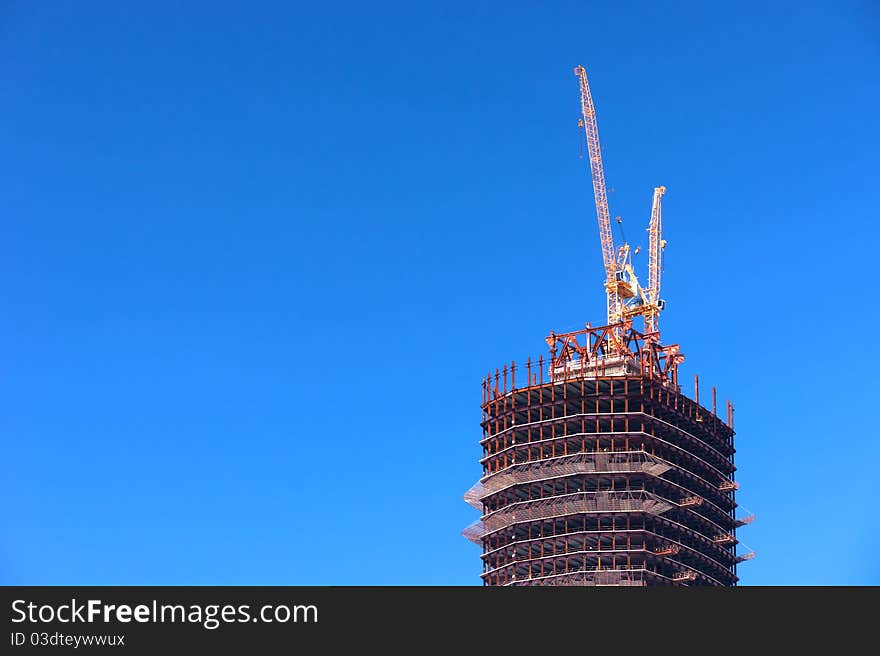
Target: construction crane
x=626, y=298
x=654, y=304
x=613, y=275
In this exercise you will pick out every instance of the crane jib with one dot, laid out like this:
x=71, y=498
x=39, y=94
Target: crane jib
x=621, y=284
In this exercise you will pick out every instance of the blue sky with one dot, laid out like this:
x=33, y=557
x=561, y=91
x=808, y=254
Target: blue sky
x=256, y=258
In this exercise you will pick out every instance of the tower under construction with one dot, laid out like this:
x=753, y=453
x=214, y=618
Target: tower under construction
x=596, y=468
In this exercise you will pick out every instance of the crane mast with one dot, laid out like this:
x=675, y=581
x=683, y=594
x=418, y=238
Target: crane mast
x=591, y=128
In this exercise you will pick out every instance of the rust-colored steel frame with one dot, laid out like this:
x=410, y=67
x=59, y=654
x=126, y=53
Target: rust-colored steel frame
x=591, y=353
x=563, y=500
x=594, y=346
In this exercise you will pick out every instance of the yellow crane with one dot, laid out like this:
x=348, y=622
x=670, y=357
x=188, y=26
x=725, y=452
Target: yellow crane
x=625, y=297
x=654, y=304
x=588, y=122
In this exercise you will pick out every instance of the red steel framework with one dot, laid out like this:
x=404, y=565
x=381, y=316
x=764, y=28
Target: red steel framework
x=598, y=470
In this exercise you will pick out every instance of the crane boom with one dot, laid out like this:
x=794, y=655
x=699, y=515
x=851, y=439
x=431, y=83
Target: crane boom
x=591, y=129
x=655, y=251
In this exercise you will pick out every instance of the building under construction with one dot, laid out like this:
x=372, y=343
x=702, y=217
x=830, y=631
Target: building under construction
x=597, y=468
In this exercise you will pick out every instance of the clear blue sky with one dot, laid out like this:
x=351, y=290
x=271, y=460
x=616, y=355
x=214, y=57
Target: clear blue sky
x=256, y=257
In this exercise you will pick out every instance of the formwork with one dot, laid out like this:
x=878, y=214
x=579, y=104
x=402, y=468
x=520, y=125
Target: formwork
x=599, y=470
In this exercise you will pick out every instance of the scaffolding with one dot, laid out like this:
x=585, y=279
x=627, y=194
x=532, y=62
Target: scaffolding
x=580, y=463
